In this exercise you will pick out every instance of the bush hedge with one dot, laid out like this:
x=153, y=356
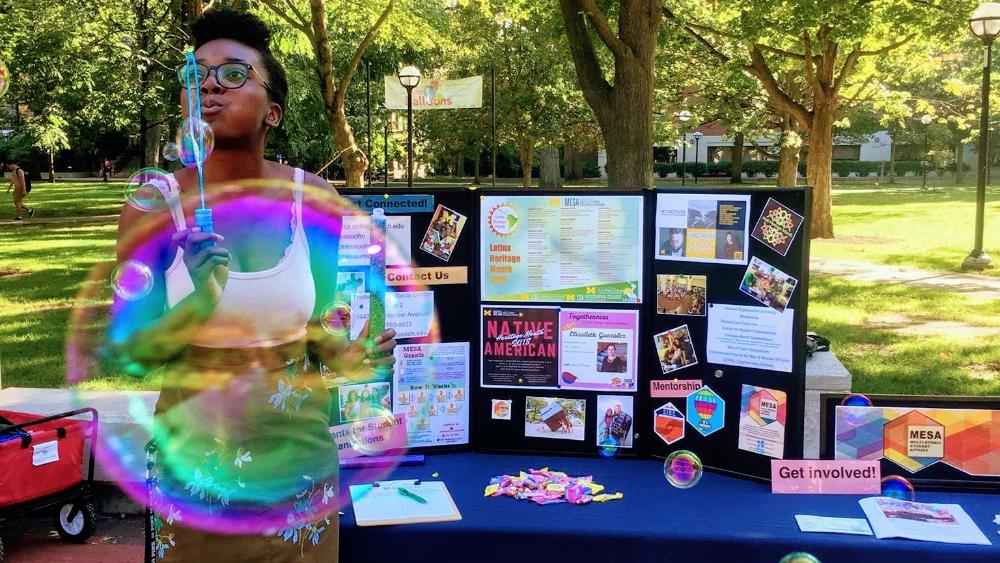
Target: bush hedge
x=769, y=168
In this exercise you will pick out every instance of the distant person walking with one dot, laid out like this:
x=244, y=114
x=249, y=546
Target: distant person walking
x=19, y=183
x=106, y=169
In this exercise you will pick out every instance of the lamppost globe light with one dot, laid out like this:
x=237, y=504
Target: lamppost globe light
x=684, y=116
x=926, y=119
x=696, y=134
x=409, y=76
x=985, y=21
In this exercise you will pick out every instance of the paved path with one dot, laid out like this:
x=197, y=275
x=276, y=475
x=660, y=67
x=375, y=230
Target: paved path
x=34, y=540
x=974, y=286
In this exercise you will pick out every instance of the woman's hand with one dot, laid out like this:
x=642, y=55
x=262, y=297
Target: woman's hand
x=208, y=265
x=364, y=354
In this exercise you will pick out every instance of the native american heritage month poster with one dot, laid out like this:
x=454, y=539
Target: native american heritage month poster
x=915, y=438
x=520, y=347
x=580, y=248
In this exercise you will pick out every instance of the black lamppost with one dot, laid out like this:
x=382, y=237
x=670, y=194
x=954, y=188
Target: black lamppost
x=985, y=23
x=409, y=77
x=385, y=146
x=697, y=137
x=684, y=116
x=926, y=121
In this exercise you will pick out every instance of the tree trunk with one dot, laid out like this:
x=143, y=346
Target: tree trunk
x=790, y=149
x=526, y=153
x=892, y=161
x=624, y=109
x=476, y=179
x=574, y=163
x=736, y=165
x=460, y=165
x=52, y=166
x=548, y=174
x=959, y=157
x=352, y=157
x=819, y=167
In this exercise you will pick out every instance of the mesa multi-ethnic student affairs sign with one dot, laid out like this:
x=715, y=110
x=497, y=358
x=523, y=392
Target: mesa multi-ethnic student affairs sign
x=435, y=93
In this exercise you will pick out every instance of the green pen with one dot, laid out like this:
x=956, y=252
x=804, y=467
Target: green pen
x=411, y=495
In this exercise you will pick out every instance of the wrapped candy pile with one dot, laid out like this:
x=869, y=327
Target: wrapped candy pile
x=542, y=486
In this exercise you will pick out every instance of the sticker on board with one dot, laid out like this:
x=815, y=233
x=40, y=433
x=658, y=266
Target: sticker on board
x=706, y=411
x=668, y=423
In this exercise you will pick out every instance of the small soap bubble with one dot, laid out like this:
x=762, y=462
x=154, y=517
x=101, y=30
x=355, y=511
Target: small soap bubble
x=195, y=141
x=609, y=447
x=799, y=557
x=147, y=190
x=336, y=319
x=718, y=373
x=4, y=78
x=683, y=469
x=856, y=400
x=132, y=280
x=894, y=486
x=171, y=153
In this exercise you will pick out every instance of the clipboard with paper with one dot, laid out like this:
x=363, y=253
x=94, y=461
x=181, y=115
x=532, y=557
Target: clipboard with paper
x=396, y=502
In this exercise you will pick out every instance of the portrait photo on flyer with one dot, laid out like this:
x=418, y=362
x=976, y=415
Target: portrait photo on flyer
x=614, y=420
x=702, y=228
x=363, y=400
x=675, y=349
x=680, y=294
x=777, y=226
x=768, y=285
x=555, y=418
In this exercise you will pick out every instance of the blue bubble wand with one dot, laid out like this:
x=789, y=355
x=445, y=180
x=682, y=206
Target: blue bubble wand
x=195, y=133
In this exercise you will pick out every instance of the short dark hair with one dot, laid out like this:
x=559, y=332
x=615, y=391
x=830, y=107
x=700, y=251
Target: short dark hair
x=246, y=28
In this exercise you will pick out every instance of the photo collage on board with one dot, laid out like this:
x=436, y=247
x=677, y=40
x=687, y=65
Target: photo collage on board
x=715, y=230
x=583, y=253
x=428, y=395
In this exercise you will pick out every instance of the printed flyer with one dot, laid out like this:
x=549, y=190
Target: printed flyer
x=409, y=312
x=614, y=420
x=598, y=349
x=520, y=347
x=753, y=337
x=431, y=383
x=555, y=418
x=762, y=421
x=355, y=238
x=562, y=248
x=443, y=233
x=777, y=226
x=702, y=228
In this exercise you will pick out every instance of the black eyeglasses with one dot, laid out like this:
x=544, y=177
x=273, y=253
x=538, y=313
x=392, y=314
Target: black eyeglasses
x=229, y=75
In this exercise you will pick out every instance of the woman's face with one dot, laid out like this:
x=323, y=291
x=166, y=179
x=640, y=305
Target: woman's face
x=609, y=413
x=365, y=394
x=352, y=397
x=239, y=113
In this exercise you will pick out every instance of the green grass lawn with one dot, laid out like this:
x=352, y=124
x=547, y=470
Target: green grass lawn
x=876, y=330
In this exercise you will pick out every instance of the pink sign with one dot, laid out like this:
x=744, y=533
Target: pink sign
x=825, y=477
x=373, y=436
x=674, y=387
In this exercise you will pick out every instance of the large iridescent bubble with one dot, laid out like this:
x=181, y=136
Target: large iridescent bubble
x=251, y=417
x=195, y=141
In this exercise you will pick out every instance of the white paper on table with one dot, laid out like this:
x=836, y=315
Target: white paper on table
x=44, y=453
x=946, y=523
x=809, y=523
x=409, y=312
x=355, y=238
x=753, y=337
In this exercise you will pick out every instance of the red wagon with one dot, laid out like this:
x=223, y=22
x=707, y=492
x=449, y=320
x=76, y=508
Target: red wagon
x=41, y=467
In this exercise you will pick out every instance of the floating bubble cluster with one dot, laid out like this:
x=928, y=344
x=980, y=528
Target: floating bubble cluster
x=899, y=488
x=683, y=469
x=243, y=436
x=195, y=141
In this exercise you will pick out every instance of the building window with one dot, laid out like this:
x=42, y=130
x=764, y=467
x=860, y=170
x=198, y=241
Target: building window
x=847, y=152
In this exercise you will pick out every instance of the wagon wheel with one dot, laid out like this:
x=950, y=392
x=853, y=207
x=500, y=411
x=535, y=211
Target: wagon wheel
x=76, y=521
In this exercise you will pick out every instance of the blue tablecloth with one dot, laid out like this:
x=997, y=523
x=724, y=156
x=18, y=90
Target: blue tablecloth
x=721, y=519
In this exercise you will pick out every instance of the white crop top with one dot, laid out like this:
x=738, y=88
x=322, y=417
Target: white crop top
x=257, y=309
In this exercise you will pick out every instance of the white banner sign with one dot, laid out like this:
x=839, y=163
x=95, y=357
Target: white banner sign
x=433, y=93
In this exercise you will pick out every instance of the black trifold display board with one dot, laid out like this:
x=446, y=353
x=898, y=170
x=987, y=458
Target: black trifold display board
x=453, y=306
x=651, y=272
